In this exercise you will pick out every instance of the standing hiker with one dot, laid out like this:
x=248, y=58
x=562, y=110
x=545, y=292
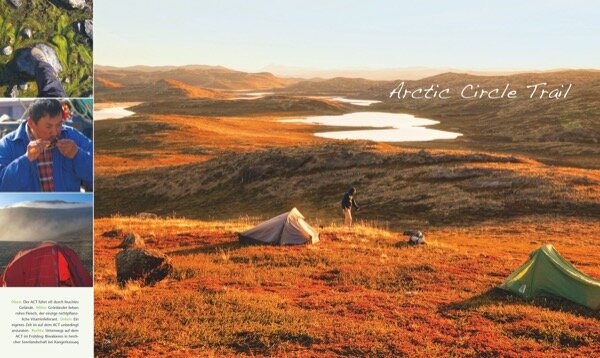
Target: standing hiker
x=347, y=203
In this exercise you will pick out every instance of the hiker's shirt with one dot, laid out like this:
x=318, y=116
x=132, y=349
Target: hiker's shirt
x=348, y=202
x=44, y=166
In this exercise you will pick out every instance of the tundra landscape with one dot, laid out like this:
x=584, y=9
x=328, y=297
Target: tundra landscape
x=208, y=152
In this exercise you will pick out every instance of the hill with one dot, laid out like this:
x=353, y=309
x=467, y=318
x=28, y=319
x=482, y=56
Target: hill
x=359, y=292
x=198, y=92
x=143, y=68
x=484, y=203
x=564, y=131
x=561, y=132
x=431, y=187
x=108, y=84
x=350, y=87
x=136, y=83
x=382, y=74
x=270, y=105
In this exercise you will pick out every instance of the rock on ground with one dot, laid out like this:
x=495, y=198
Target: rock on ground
x=147, y=216
x=14, y=92
x=15, y=3
x=132, y=240
x=74, y=4
x=142, y=264
x=27, y=33
x=113, y=233
x=88, y=27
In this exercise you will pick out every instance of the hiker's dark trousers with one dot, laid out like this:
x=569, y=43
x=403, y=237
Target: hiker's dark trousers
x=48, y=84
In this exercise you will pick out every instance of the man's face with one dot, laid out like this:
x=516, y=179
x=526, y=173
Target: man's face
x=47, y=127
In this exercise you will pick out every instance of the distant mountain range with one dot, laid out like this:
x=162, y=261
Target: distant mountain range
x=197, y=75
x=374, y=74
x=142, y=68
x=144, y=83
x=295, y=73
x=548, y=128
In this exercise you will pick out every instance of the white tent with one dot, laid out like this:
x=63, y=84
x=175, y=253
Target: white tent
x=285, y=229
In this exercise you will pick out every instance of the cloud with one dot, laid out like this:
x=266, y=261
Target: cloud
x=35, y=223
x=50, y=205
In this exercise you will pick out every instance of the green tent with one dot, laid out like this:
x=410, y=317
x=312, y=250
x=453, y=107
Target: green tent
x=548, y=273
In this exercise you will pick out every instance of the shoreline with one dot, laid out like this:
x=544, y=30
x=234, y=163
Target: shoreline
x=106, y=105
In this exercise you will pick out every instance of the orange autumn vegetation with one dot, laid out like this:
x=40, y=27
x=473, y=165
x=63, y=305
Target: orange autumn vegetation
x=109, y=84
x=236, y=134
x=107, y=164
x=359, y=292
x=197, y=139
x=198, y=92
x=217, y=135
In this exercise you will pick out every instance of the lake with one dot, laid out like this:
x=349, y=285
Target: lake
x=112, y=112
x=253, y=95
x=395, y=127
x=356, y=102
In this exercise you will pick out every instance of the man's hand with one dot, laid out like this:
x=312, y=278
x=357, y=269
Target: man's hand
x=35, y=147
x=67, y=147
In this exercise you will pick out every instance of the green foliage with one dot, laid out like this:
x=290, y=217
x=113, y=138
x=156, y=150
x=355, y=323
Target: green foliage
x=82, y=72
x=62, y=48
x=70, y=35
x=33, y=24
x=84, y=54
x=73, y=58
x=18, y=38
x=72, y=89
x=52, y=25
x=7, y=33
x=62, y=23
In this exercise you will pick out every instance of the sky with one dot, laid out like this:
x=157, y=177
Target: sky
x=7, y=199
x=249, y=35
